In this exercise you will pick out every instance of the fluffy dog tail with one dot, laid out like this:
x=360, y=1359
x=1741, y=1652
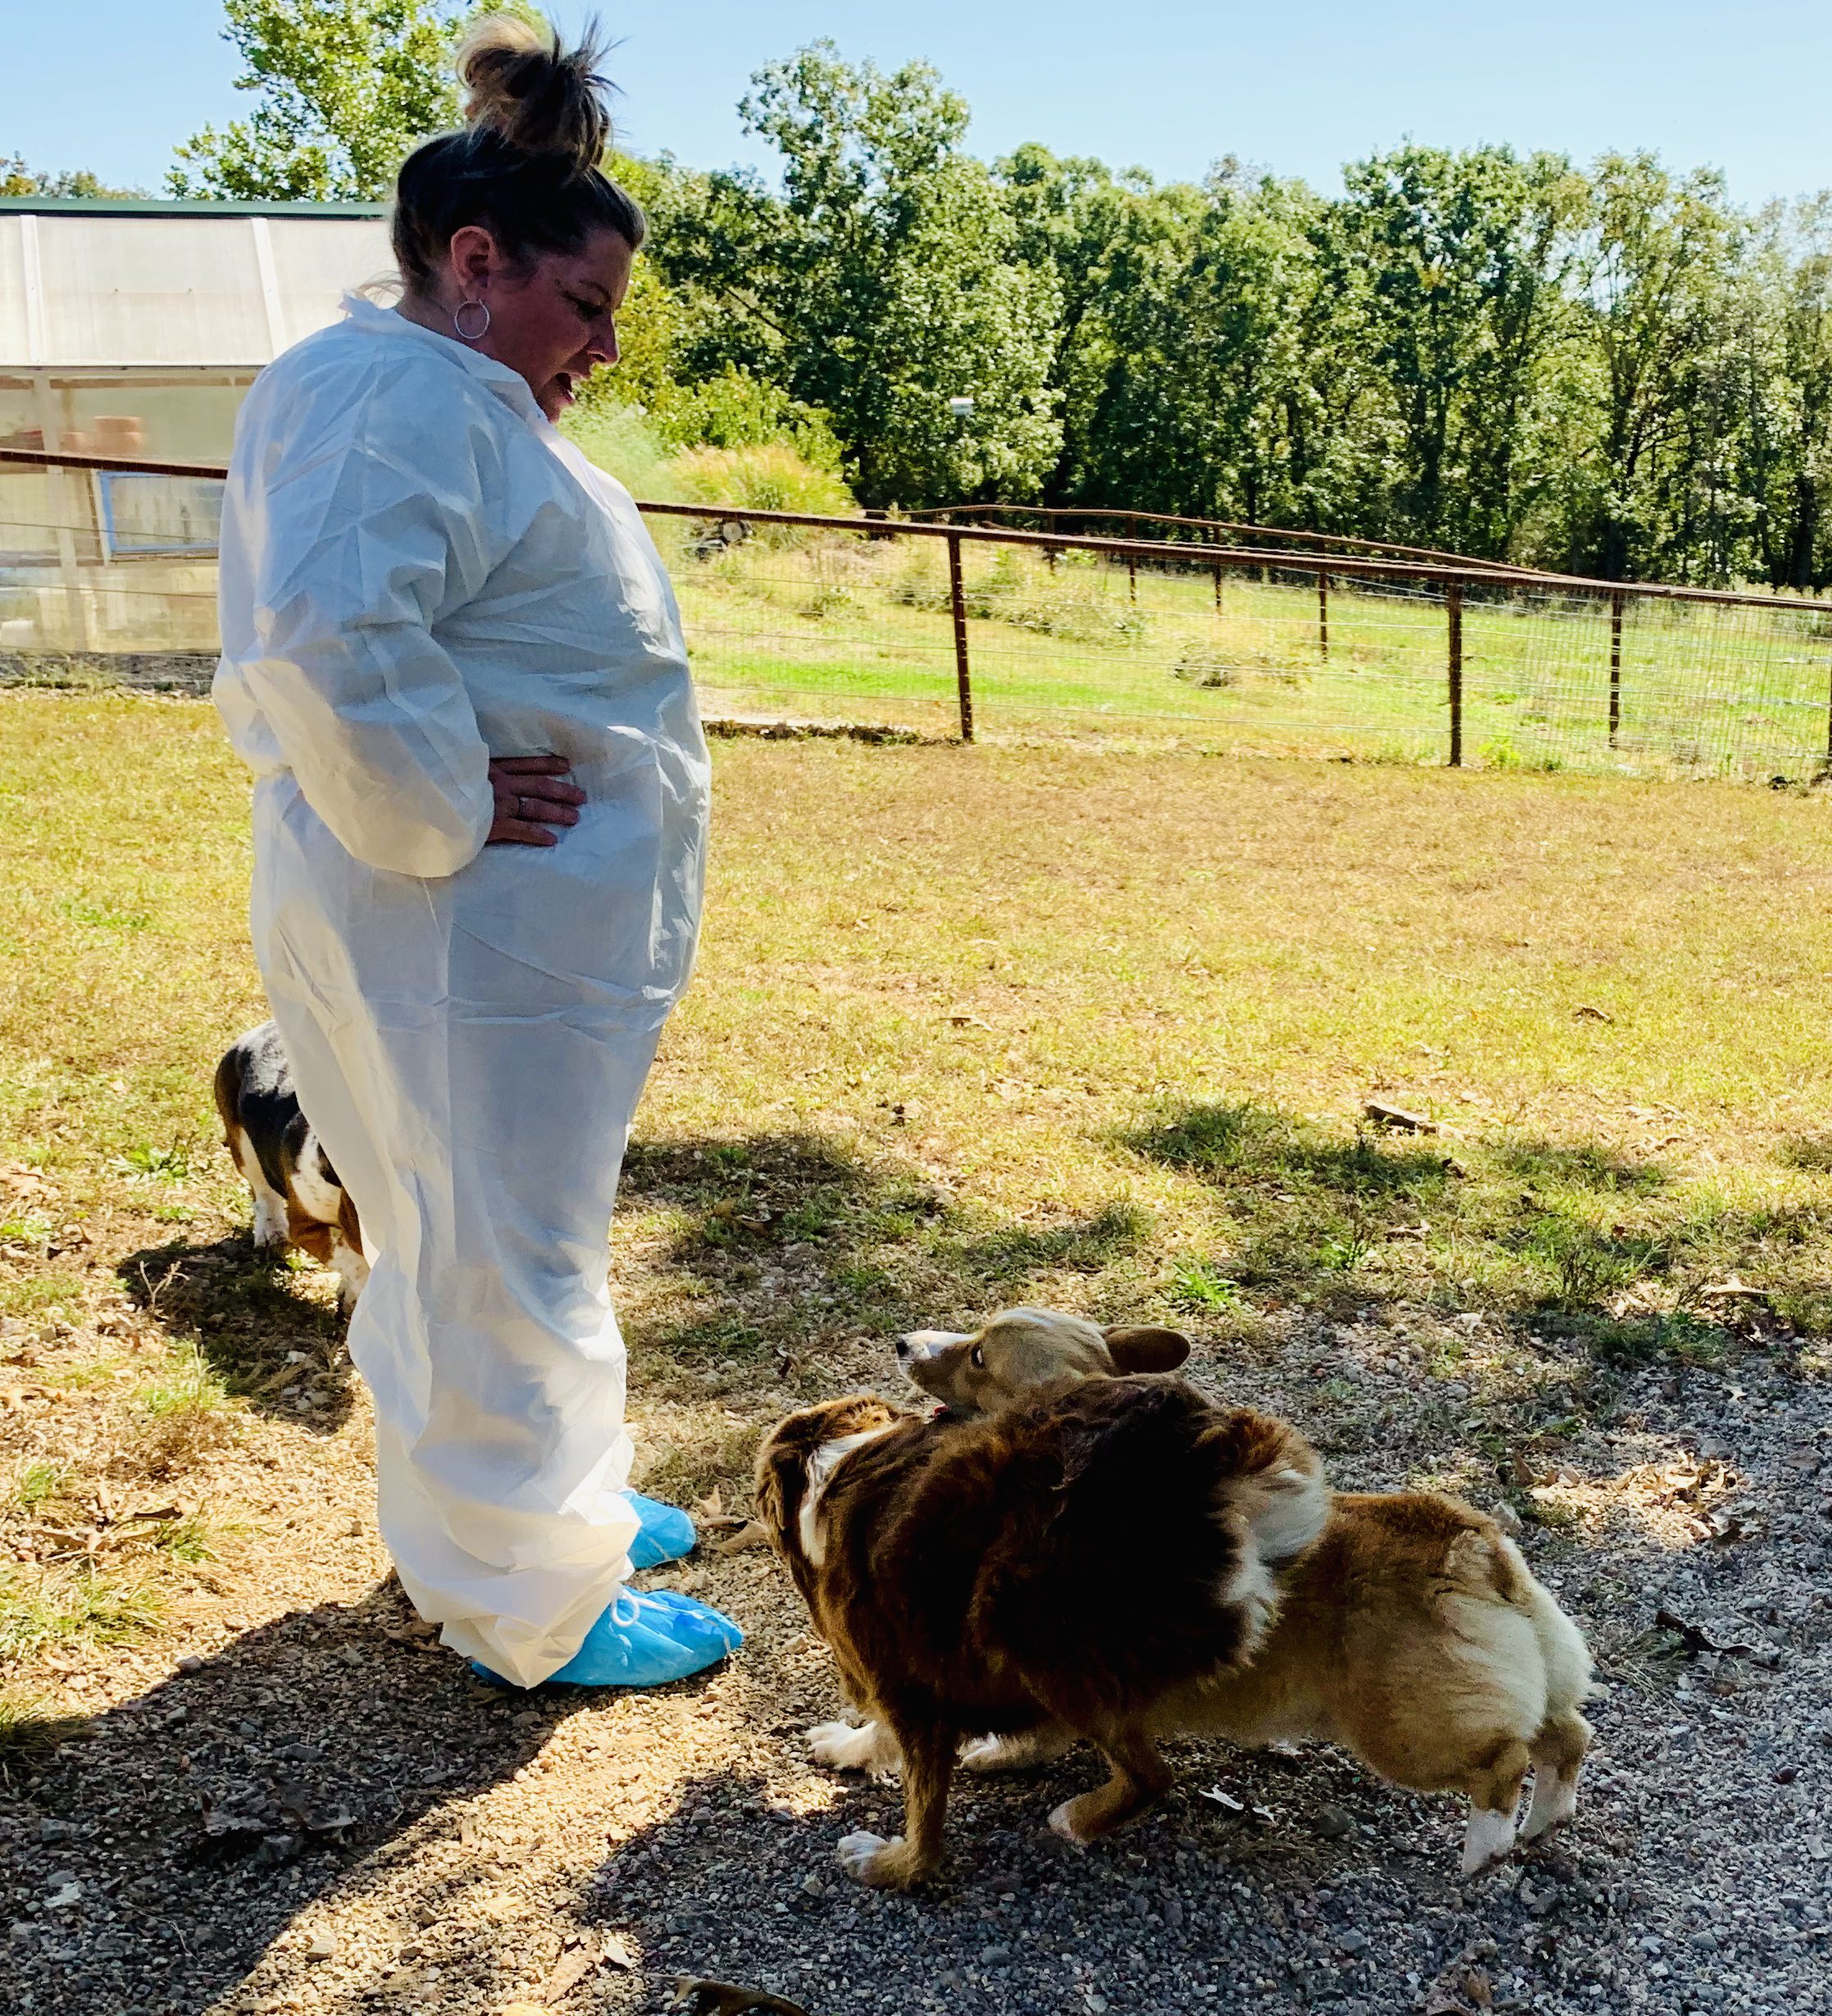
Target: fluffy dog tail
x=1278, y=1491
x=1272, y=1495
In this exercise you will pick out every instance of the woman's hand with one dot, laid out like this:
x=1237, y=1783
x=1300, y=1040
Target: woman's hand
x=532, y=797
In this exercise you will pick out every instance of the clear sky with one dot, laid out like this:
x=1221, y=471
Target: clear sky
x=1170, y=84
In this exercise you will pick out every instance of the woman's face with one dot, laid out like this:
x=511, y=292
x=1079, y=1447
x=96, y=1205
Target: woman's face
x=554, y=320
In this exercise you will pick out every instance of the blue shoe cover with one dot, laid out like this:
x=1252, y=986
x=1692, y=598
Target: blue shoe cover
x=645, y=1639
x=665, y=1534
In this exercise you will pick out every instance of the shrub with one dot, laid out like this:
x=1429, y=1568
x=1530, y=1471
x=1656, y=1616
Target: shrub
x=765, y=476
x=736, y=410
x=623, y=442
x=1203, y=667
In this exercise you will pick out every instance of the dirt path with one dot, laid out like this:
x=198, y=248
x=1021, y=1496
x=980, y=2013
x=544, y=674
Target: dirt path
x=298, y=1804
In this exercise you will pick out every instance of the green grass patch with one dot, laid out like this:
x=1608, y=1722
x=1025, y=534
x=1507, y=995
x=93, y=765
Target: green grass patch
x=41, y=1610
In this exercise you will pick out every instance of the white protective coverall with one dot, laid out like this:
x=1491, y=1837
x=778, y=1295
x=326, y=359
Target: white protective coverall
x=419, y=574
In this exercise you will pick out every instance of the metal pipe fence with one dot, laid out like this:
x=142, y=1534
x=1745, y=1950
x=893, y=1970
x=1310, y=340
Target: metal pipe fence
x=1091, y=518
x=968, y=629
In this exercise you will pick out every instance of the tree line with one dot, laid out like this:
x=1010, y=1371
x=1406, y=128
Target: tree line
x=1610, y=370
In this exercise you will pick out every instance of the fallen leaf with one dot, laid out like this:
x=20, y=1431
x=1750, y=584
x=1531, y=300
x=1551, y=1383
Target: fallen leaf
x=749, y=1534
x=569, y=1970
x=1398, y=1118
x=1223, y=1799
x=314, y=1815
x=697, y=1997
x=1696, y=1638
x=12, y=1399
x=618, y=1952
x=963, y=1021
x=1587, y=1013
x=1731, y=1289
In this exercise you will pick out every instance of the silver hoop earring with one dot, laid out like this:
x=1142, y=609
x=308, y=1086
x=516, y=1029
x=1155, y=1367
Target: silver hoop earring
x=470, y=335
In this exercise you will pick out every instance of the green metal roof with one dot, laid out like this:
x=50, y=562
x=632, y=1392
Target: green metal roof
x=159, y=207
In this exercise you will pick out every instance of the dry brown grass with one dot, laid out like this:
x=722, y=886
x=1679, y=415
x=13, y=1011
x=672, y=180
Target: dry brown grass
x=969, y=1027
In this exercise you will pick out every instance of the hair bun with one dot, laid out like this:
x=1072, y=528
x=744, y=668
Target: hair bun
x=532, y=92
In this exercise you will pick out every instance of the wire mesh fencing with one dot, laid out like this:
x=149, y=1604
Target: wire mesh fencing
x=1271, y=653
x=970, y=630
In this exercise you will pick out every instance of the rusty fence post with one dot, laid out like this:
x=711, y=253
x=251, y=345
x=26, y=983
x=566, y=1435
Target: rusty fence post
x=1615, y=664
x=963, y=679
x=1132, y=576
x=1218, y=591
x=1323, y=617
x=1453, y=611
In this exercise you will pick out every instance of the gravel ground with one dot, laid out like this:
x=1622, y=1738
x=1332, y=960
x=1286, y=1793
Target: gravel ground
x=320, y=1811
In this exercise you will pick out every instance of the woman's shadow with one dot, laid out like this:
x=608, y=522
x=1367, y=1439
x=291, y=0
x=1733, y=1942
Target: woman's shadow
x=271, y=1341
x=259, y=1781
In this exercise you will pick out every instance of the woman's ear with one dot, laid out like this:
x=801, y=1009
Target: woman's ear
x=1146, y=1349
x=474, y=259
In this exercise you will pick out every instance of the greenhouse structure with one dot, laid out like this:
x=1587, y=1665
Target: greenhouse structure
x=130, y=330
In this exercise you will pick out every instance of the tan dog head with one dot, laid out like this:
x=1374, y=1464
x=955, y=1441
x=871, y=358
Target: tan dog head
x=980, y=1372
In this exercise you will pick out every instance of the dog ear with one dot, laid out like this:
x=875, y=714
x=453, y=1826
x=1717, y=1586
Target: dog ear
x=777, y=1468
x=1146, y=1349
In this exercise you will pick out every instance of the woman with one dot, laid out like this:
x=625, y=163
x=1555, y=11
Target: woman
x=453, y=660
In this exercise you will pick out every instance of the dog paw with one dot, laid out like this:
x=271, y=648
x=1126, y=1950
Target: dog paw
x=839, y=1746
x=1555, y=1801
x=1062, y=1821
x=1490, y=1838
x=860, y=1854
x=987, y=1753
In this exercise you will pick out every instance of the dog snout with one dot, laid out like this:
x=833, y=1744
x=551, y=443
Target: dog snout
x=914, y=1346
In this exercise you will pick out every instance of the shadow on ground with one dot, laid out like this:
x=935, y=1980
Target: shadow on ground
x=260, y=1780
x=792, y=1235
x=258, y=1326
x=1572, y=1237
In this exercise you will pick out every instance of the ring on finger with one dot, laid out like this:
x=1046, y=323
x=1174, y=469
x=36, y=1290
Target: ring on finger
x=521, y=808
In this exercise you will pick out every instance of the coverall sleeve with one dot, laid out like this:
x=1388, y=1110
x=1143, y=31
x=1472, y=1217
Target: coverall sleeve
x=364, y=533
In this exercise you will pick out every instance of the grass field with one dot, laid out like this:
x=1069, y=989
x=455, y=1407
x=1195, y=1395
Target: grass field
x=863, y=630
x=970, y=1027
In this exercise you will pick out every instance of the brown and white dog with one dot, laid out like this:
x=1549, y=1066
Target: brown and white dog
x=986, y=1576
x=1412, y=1633
x=298, y=1199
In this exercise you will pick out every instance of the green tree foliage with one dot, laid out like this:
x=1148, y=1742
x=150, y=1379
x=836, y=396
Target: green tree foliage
x=1452, y=269
x=16, y=179
x=346, y=87
x=1788, y=423
x=882, y=283
x=1612, y=370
